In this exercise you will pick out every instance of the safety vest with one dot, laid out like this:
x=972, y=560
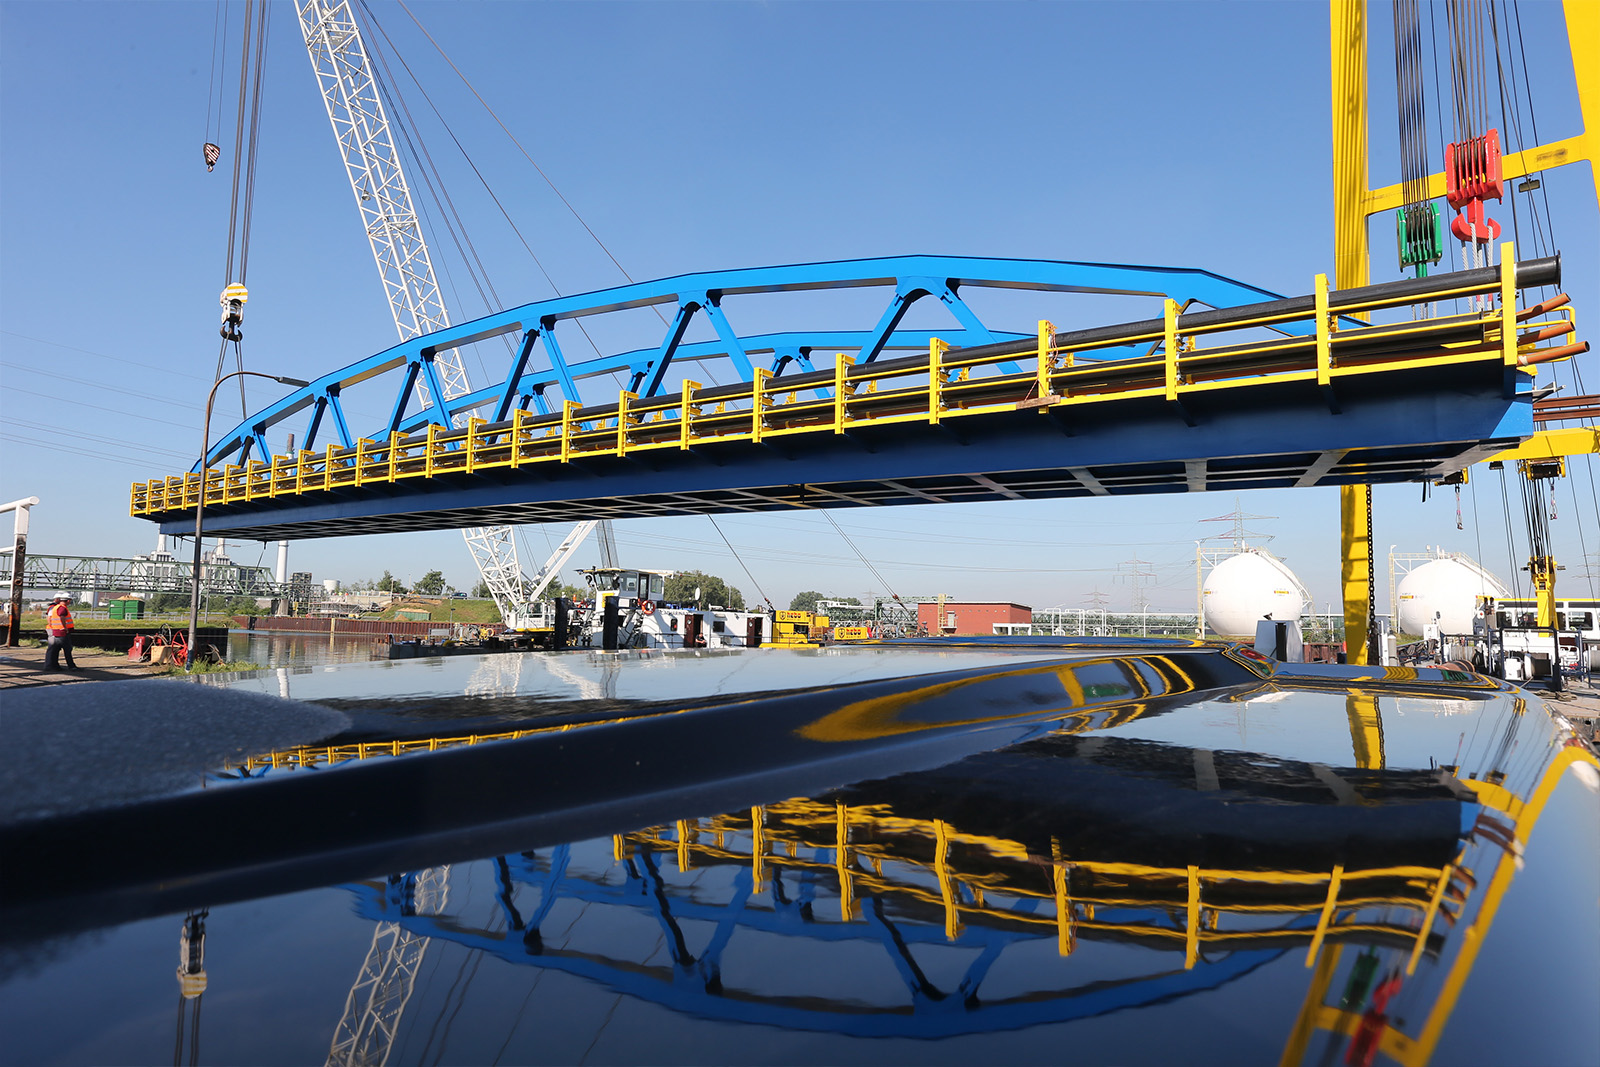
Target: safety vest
x=60, y=620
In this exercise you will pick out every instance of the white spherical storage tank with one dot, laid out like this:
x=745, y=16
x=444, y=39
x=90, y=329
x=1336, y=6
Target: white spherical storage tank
x=1444, y=591
x=1244, y=589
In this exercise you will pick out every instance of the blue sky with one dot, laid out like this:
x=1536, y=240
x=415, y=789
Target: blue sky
x=694, y=137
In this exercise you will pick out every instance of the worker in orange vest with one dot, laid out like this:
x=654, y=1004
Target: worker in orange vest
x=58, y=625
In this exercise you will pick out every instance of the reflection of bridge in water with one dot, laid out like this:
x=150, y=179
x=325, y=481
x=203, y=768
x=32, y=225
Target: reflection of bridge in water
x=1196, y=867
x=867, y=866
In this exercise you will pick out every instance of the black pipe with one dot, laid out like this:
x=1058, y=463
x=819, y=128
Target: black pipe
x=608, y=631
x=558, y=640
x=1531, y=273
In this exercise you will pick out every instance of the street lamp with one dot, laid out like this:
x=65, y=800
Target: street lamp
x=200, y=504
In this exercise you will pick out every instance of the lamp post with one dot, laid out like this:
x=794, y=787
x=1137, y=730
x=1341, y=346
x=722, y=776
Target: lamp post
x=200, y=503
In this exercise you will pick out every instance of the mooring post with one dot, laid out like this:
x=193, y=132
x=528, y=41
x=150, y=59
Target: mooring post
x=608, y=633
x=19, y=557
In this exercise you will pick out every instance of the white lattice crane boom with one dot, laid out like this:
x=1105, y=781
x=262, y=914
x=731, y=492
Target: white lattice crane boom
x=372, y=163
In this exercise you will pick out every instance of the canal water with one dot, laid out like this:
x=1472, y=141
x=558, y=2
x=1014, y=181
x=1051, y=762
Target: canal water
x=299, y=650
x=1142, y=886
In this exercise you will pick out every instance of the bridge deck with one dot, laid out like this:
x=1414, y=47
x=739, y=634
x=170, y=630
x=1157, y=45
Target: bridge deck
x=1369, y=404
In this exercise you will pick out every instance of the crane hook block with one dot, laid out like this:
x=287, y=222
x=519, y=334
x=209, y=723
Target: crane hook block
x=213, y=153
x=1473, y=225
x=1472, y=174
x=233, y=299
x=1420, y=234
x=1472, y=170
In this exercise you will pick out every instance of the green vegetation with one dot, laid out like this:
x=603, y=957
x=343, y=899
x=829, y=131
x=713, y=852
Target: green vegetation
x=571, y=592
x=807, y=601
x=680, y=589
x=430, y=584
x=203, y=667
x=473, y=612
x=35, y=624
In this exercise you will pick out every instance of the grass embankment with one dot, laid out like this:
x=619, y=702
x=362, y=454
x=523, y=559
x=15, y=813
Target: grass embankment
x=202, y=667
x=472, y=612
x=35, y=624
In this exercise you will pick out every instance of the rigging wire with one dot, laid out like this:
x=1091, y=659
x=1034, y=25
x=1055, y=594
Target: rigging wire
x=219, y=33
x=740, y=559
x=1411, y=106
x=534, y=163
x=408, y=129
x=1511, y=551
x=516, y=142
x=895, y=596
x=246, y=139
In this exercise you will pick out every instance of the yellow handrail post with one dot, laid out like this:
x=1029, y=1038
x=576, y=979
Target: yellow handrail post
x=1047, y=363
x=625, y=421
x=433, y=444
x=1428, y=916
x=567, y=409
x=758, y=402
x=1191, y=923
x=516, y=437
x=473, y=425
x=842, y=389
x=936, y=350
x=1328, y=907
x=1324, y=334
x=394, y=454
x=687, y=410
x=1508, y=303
x=1170, y=318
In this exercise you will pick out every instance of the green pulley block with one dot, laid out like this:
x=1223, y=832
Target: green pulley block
x=1419, y=233
x=1355, y=991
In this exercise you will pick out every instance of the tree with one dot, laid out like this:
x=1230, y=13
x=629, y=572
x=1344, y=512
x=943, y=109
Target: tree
x=430, y=584
x=807, y=601
x=562, y=589
x=481, y=590
x=390, y=584
x=713, y=590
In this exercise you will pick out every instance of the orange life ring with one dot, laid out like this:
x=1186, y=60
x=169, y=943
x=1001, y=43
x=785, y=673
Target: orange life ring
x=647, y=607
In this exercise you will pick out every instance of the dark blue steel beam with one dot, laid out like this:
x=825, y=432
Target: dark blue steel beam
x=1398, y=427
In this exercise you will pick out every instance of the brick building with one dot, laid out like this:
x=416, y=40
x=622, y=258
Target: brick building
x=971, y=620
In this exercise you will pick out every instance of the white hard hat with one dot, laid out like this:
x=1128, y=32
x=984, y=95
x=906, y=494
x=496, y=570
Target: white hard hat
x=61, y=596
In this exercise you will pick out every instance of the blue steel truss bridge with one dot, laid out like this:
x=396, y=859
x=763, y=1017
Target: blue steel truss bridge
x=1231, y=388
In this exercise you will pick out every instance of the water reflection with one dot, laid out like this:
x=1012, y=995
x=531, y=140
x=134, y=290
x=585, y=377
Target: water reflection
x=1125, y=857
x=917, y=906
x=299, y=650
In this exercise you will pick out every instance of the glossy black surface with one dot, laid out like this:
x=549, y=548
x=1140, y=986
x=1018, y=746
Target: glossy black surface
x=1016, y=854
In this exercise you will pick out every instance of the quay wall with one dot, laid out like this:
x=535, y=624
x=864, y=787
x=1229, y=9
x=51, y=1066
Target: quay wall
x=305, y=624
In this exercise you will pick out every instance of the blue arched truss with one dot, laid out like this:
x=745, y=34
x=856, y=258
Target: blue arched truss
x=539, y=374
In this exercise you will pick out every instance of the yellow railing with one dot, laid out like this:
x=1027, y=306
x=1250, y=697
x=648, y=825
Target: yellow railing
x=865, y=841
